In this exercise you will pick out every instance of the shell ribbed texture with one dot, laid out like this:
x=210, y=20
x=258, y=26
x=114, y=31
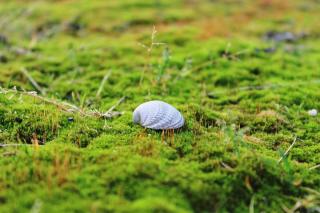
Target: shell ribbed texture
x=158, y=115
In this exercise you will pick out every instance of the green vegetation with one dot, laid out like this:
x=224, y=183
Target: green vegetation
x=242, y=83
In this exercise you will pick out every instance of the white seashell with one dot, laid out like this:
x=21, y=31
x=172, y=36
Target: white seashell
x=158, y=115
x=313, y=112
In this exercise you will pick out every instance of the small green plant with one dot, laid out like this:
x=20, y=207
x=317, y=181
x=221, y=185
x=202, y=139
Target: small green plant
x=234, y=136
x=163, y=65
x=149, y=48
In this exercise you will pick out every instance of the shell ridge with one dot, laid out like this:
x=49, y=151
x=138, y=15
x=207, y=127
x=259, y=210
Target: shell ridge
x=154, y=116
x=158, y=115
x=146, y=111
x=178, y=123
x=163, y=119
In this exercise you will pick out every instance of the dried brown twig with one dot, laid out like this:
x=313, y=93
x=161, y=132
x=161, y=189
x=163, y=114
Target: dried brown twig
x=114, y=106
x=288, y=150
x=314, y=167
x=67, y=107
x=110, y=113
x=105, y=78
x=14, y=145
x=25, y=72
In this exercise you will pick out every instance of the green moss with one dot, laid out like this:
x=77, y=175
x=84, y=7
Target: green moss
x=244, y=100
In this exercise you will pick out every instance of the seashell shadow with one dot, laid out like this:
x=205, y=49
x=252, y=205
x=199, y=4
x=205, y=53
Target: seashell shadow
x=184, y=128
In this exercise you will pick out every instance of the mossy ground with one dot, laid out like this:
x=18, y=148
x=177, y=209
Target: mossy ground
x=244, y=97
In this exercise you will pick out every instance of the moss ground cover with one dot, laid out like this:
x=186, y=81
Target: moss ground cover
x=243, y=73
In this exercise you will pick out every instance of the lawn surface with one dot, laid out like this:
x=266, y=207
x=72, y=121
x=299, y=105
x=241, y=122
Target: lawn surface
x=243, y=73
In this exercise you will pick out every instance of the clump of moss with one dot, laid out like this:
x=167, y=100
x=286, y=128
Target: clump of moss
x=269, y=121
x=244, y=99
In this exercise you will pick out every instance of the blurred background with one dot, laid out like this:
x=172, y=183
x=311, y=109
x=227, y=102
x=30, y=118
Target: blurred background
x=68, y=46
x=51, y=37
